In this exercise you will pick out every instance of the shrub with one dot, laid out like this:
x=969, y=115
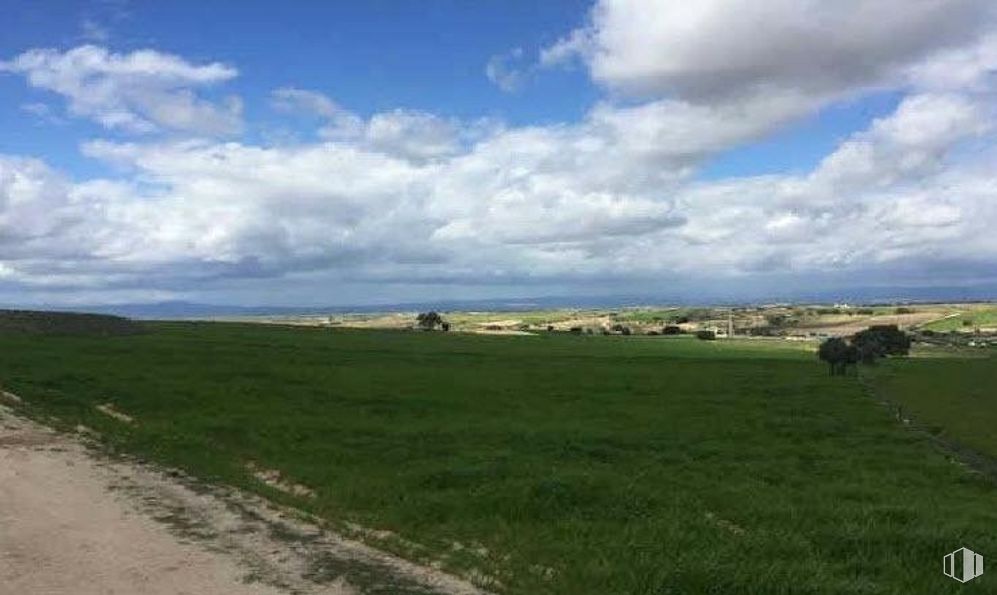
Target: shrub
x=429, y=320
x=706, y=335
x=887, y=338
x=671, y=329
x=838, y=354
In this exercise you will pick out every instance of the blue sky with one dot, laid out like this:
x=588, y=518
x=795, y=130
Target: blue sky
x=371, y=56
x=386, y=151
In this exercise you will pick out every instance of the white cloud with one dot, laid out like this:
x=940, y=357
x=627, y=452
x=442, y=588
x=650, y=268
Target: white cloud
x=407, y=196
x=909, y=144
x=609, y=196
x=140, y=92
x=723, y=50
x=507, y=70
x=93, y=31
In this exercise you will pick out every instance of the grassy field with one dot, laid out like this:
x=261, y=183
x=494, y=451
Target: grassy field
x=966, y=320
x=956, y=397
x=552, y=464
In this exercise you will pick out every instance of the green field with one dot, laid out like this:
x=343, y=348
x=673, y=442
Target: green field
x=555, y=463
x=967, y=320
x=955, y=397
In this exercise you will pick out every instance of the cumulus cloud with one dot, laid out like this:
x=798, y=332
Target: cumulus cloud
x=409, y=134
x=719, y=49
x=558, y=202
x=407, y=196
x=140, y=92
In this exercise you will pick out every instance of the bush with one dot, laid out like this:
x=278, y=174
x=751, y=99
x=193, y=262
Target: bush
x=887, y=339
x=838, y=354
x=706, y=335
x=671, y=329
x=429, y=320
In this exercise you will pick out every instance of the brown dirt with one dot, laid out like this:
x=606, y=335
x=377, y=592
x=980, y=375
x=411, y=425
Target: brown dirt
x=842, y=326
x=75, y=521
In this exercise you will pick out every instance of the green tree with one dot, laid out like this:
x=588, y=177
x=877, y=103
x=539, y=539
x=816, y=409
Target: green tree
x=838, y=354
x=429, y=320
x=888, y=338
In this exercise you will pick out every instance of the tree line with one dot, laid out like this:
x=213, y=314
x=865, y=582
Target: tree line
x=864, y=347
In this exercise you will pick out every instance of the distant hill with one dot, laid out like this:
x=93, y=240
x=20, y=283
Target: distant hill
x=868, y=295
x=65, y=323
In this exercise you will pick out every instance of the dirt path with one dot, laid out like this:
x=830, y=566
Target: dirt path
x=75, y=522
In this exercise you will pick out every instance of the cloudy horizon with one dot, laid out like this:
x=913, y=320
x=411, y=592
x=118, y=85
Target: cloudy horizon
x=619, y=147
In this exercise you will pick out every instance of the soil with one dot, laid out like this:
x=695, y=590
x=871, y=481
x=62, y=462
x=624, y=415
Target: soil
x=76, y=520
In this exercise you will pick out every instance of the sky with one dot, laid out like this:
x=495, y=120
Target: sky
x=337, y=153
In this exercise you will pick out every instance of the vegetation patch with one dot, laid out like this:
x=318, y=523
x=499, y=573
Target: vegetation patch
x=65, y=323
x=578, y=464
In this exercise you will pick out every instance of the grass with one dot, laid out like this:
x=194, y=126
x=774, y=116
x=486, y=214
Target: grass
x=555, y=464
x=954, y=396
x=965, y=320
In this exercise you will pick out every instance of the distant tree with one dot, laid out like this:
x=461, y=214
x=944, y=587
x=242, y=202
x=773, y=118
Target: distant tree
x=706, y=335
x=888, y=337
x=429, y=320
x=903, y=310
x=869, y=352
x=671, y=329
x=550, y=328
x=445, y=326
x=625, y=330
x=837, y=353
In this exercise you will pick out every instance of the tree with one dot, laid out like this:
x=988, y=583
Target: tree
x=838, y=354
x=869, y=352
x=429, y=320
x=706, y=335
x=888, y=338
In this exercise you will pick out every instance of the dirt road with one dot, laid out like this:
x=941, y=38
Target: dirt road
x=78, y=523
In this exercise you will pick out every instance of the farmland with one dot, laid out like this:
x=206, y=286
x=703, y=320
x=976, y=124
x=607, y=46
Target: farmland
x=557, y=463
x=785, y=320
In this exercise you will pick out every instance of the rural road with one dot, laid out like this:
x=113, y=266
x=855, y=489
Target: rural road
x=77, y=523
